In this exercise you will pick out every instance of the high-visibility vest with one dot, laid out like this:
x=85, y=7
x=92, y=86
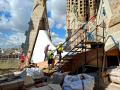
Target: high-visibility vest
x=59, y=48
x=50, y=55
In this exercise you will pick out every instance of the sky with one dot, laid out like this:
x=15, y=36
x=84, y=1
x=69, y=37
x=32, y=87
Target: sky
x=57, y=19
x=15, y=15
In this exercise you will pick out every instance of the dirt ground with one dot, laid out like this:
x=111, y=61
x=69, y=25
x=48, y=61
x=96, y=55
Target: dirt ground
x=44, y=64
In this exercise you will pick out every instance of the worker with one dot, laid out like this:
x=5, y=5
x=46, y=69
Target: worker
x=46, y=52
x=50, y=59
x=22, y=61
x=59, y=51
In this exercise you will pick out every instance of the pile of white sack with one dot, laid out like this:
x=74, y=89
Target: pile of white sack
x=78, y=82
x=34, y=72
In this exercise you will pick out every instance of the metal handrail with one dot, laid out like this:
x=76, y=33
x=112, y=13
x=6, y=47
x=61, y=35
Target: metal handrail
x=116, y=44
x=79, y=29
x=80, y=41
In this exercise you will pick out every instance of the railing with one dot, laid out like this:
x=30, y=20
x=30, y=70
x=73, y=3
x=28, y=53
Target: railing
x=67, y=40
x=71, y=51
x=116, y=43
x=75, y=46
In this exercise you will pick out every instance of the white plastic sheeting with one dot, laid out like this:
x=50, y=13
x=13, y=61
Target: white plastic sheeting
x=75, y=82
x=42, y=41
x=34, y=72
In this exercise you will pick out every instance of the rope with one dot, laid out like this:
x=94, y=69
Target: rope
x=82, y=78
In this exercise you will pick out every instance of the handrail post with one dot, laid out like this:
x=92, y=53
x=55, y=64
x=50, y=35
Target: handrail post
x=85, y=45
x=104, y=62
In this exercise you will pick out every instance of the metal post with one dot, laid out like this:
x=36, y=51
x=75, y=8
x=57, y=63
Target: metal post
x=97, y=47
x=85, y=46
x=103, y=49
x=98, y=72
x=118, y=54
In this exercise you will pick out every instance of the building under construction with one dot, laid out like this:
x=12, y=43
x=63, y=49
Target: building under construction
x=93, y=36
x=79, y=12
x=90, y=60
x=90, y=33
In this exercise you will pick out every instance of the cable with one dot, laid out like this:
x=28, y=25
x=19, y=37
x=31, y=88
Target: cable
x=82, y=78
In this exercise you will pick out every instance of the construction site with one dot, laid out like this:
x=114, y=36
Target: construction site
x=90, y=59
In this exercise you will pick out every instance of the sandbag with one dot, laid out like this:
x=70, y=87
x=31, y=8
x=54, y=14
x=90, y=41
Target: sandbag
x=58, y=77
x=34, y=72
x=28, y=81
x=78, y=82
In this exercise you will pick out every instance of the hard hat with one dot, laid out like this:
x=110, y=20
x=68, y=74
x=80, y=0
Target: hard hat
x=60, y=43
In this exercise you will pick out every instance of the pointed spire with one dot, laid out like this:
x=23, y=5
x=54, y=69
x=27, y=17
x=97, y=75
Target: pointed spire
x=38, y=21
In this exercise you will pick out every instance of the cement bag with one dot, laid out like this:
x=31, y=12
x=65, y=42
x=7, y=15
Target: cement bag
x=58, y=77
x=34, y=72
x=114, y=75
x=75, y=82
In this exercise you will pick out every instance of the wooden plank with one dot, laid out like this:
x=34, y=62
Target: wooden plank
x=87, y=42
x=77, y=60
x=48, y=87
x=113, y=52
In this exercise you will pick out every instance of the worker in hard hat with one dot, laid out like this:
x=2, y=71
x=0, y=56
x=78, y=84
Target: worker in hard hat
x=46, y=52
x=59, y=51
x=50, y=59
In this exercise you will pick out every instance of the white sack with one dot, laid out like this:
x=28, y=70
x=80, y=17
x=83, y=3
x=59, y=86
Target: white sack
x=34, y=72
x=75, y=82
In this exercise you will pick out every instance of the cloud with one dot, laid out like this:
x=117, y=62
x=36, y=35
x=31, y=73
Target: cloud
x=56, y=39
x=14, y=18
x=58, y=13
x=20, y=11
x=15, y=15
x=12, y=40
x=48, y=5
x=51, y=22
x=60, y=26
x=16, y=38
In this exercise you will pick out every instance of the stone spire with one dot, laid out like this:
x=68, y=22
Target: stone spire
x=38, y=21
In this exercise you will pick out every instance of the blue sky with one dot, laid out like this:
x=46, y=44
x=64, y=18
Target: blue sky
x=15, y=15
x=57, y=19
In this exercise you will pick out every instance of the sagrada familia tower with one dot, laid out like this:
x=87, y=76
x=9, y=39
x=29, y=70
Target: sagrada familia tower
x=38, y=21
